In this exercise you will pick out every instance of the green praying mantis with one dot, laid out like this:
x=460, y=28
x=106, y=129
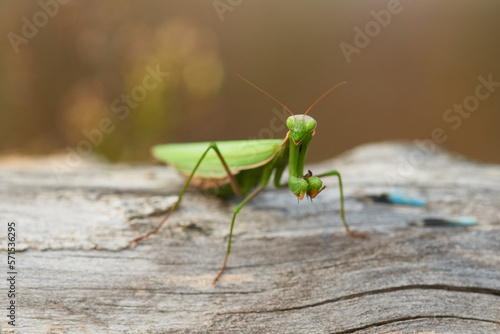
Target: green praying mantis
x=244, y=167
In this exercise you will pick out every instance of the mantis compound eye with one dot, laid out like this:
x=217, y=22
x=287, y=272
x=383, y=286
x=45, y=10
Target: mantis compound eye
x=289, y=122
x=310, y=124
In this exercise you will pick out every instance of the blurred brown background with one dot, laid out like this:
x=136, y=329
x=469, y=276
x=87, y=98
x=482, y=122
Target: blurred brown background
x=64, y=67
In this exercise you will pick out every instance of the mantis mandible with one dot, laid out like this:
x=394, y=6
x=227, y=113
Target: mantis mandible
x=244, y=167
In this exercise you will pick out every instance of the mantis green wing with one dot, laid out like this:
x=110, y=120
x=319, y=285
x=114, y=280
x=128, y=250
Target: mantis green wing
x=239, y=155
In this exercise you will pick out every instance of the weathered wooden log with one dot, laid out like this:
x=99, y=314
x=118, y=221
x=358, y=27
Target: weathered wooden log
x=292, y=269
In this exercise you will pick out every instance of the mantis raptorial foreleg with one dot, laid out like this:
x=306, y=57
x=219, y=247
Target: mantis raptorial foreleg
x=342, y=214
x=232, y=181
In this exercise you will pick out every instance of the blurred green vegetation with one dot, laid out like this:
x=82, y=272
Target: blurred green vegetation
x=79, y=67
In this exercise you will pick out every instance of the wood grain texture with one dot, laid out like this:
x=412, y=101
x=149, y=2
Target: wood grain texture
x=292, y=267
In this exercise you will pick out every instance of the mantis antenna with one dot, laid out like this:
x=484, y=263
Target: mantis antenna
x=281, y=104
x=324, y=94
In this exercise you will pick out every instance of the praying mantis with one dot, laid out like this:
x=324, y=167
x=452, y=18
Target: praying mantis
x=245, y=167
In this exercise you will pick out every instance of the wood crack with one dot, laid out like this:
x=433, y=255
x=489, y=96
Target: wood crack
x=445, y=287
x=404, y=319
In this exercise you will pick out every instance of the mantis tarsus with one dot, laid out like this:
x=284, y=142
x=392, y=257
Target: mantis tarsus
x=244, y=167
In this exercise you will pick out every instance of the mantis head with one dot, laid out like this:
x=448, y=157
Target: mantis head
x=300, y=126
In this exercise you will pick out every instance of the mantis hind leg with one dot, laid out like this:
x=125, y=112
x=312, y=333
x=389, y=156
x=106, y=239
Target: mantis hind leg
x=247, y=199
x=342, y=212
x=232, y=180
